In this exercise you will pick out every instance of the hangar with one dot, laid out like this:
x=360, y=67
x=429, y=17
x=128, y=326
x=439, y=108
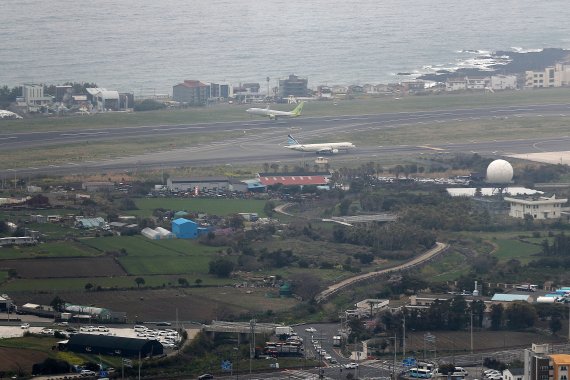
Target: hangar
x=113, y=345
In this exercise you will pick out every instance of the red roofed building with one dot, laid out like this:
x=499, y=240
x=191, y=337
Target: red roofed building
x=294, y=179
x=191, y=92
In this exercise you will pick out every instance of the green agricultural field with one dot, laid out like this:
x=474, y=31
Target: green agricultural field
x=3, y=276
x=219, y=207
x=56, y=249
x=450, y=267
x=166, y=265
x=30, y=342
x=123, y=282
x=515, y=249
x=148, y=257
x=140, y=247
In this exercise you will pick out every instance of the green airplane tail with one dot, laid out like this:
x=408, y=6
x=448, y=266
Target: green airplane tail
x=298, y=109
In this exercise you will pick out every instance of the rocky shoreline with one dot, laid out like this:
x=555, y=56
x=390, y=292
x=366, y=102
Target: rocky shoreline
x=516, y=63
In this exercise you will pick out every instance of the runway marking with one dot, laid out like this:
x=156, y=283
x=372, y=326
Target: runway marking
x=84, y=134
x=72, y=163
x=8, y=138
x=429, y=147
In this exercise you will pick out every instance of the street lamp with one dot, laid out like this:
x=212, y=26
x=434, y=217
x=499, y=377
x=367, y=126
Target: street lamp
x=237, y=362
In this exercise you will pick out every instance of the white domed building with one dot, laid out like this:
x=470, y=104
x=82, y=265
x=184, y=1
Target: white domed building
x=499, y=172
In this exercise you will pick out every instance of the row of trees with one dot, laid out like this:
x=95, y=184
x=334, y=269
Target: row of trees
x=455, y=314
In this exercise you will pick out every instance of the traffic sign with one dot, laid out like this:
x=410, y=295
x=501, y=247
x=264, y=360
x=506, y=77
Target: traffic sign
x=226, y=365
x=128, y=363
x=409, y=362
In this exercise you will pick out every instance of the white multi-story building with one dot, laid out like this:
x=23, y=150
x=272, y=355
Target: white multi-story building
x=455, y=85
x=34, y=96
x=537, y=207
x=553, y=76
x=503, y=82
x=477, y=83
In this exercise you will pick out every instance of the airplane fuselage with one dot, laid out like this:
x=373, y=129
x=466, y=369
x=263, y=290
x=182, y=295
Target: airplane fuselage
x=325, y=148
x=272, y=114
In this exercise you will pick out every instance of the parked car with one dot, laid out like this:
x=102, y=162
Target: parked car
x=205, y=376
x=25, y=326
x=86, y=372
x=165, y=324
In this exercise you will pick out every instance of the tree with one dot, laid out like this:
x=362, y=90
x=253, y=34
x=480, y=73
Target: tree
x=221, y=267
x=148, y=105
x=555, y=325
x=198, y=282
x=496, y=316
x=140, y=281
x=520, y=315
x=88, y=286
x=183, y=282
x=57, y=303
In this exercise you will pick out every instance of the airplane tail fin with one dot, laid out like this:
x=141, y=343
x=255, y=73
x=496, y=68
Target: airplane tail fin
x=298, y=109
x=292, y=141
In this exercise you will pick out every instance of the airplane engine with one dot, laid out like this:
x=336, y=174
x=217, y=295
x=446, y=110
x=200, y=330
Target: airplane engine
x=334, y=151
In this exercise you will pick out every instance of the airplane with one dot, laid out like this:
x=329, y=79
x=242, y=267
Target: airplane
x=274, y=114
x=324, y=148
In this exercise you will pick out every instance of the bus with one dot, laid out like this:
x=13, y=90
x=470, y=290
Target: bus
x=420, y=373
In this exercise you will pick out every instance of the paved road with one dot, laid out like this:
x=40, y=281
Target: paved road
x=262, y=140
x=428, y=255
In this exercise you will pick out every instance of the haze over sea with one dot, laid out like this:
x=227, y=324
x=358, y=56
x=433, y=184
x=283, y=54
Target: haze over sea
x=149, y=45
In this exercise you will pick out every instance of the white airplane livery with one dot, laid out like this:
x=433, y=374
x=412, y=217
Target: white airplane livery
x=274, y=114
x=324, y=148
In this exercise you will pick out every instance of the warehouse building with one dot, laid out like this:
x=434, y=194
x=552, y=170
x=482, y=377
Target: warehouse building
x=113, y=345
x=187, y=229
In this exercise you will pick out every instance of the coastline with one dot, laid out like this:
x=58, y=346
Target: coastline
x=502, y=62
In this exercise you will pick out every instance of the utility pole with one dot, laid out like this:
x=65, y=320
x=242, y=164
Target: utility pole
x=404, y=341
x=471, y=314
x=394, y=364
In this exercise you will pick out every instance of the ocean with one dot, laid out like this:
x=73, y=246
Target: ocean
x=147, y=46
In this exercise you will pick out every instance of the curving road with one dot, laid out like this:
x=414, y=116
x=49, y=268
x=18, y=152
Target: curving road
x=262, y=140
x=426, y=256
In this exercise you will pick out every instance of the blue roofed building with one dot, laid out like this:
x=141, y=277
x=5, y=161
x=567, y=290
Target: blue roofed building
x=187, y=229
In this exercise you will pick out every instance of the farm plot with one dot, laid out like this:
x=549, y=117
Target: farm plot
x=62, y=268
x=148, y=257
x=212, y=206
x=56, y=249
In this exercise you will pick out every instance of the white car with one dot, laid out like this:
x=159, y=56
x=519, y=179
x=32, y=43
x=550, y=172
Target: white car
x=351, y=366
x=311, y=329
x=25, y=326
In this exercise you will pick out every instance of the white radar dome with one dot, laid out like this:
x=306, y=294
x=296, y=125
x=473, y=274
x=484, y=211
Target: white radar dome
x=499, y=171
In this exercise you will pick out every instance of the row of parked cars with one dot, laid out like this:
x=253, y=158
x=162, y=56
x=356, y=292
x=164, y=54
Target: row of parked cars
x=493, y=374
x=169, y=338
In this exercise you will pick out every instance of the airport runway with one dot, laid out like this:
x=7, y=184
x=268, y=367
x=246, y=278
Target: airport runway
x=262, y=140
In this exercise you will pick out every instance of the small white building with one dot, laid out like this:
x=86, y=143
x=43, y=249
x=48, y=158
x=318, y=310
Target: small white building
x=455, y=84
x=538, y=207
x=477, y=83
x=513, y=374
x=504, y=82
x=164, y=233
x=150, y=234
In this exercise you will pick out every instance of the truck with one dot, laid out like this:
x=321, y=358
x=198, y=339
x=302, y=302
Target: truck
x=527, y=287
x=283, y=330
x=337, y=340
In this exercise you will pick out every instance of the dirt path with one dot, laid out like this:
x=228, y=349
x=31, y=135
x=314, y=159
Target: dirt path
x=426, y=256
